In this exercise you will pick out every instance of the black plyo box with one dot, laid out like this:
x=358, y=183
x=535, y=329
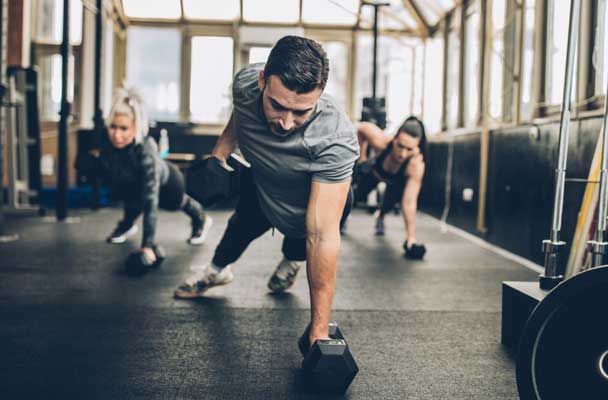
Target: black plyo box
x=518, y=301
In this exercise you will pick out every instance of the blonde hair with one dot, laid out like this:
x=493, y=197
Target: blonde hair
x=127, y=101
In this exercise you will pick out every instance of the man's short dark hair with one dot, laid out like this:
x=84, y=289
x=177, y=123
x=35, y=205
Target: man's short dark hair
x=300, y=63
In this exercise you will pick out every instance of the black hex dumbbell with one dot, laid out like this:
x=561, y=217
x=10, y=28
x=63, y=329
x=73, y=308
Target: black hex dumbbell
x=210, y=181
x=414, y=252
x=328, y=364
x=138, y=262
x=304, y=341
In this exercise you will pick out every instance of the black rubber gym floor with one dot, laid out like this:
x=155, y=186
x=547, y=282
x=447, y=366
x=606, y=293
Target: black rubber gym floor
x=75, y=326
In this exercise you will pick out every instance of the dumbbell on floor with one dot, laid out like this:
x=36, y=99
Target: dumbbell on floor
x=328, y=363
x=304, y=341
x=138, y=262
x=414, y=252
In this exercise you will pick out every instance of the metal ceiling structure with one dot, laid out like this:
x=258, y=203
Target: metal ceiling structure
x=418, y=17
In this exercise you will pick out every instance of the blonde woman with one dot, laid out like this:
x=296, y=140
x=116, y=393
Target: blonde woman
x=132, y=166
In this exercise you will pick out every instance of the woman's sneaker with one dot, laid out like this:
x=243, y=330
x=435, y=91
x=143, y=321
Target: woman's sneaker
x=204, y=278
x=121, y=233
x=200, y=229
x=285, y=275
x=379, y=226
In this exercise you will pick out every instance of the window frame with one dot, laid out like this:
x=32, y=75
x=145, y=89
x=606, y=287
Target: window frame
x=468, y=11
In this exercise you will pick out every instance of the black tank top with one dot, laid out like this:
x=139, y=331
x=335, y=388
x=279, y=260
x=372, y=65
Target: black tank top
x=385, y=176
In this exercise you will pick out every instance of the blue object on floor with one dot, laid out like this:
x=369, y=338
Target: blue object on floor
x=78, y=197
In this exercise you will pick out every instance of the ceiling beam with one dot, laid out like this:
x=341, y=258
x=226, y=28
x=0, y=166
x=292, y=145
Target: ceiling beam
x=423, y=26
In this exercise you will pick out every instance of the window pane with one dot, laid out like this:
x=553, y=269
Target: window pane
x=395, y=58
x=600, y=52
x=259, y=54
x=222, y=10
x=556, y=52
x=497, y=60
x=418, y=76
x=337, y=85
x=338, y=12
x=210, y=85
x=471, y=72
x=433, y=84
x=430, y=13
x=166, y=9
x=153, y=58
x=527, y=75
x=271, y=10
x=395, y=16
x=107, y=66
x=49, y=21
x=453, y=78
x=50, y=85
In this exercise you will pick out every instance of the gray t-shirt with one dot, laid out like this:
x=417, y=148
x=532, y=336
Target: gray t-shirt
x=323, y=149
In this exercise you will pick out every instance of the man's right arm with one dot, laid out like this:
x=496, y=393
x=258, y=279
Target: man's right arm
x=227, y=141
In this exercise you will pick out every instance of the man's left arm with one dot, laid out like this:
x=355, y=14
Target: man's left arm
x=409, y=201
x=325, y=207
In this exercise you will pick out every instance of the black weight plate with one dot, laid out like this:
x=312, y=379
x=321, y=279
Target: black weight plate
x=562, y=353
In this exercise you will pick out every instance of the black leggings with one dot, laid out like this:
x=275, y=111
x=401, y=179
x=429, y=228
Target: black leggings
x=172, y=197
x=249, y=222
x=366, y=181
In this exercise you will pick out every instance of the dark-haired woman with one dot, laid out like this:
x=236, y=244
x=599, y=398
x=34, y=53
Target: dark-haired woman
x=399, y=163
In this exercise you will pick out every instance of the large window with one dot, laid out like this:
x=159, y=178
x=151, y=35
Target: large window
x=342, y=12
x=48, y=25
x=471, y=67
x=394, y=81
x=211, y=10
x=156, y=74
x=107, y=69
x=166, y=9
x=284, y=11
x=212, y=66
x=557, y=46
x=453, y=78
x=259, y=54
x=600, y=52
x=497, y=59
x=418, y=77
x=47, y=35
x=50, y=85
x=337, y=84
x=433, y=84
x=527, y=70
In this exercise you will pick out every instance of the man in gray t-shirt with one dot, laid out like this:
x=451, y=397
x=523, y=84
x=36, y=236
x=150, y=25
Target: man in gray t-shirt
x=302, y=148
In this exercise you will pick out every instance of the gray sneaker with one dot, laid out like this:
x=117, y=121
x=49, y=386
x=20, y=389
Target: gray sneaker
x=204, y=278
x=285, y=275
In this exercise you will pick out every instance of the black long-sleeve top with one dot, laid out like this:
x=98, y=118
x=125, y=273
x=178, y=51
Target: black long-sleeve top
x=135, y=173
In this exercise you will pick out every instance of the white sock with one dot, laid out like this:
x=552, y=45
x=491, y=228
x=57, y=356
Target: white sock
x=215, y=268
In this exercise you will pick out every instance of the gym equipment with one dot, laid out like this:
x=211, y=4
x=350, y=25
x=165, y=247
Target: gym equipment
x=304, y=342
x=415, y=252
x=374, y=111
x=138, y=262
x=209, y=181
x=563, y=352
x=374, y=108
x=23, y=139
x=328, y=364
x=553, y=246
